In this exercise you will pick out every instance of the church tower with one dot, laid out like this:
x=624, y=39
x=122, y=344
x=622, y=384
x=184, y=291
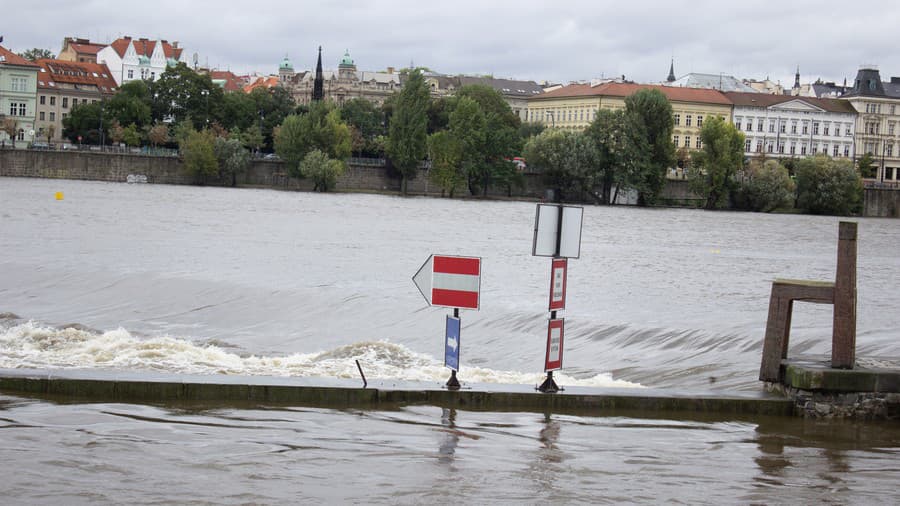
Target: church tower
x=318, y=92
x=671, y=78
x=347, y=69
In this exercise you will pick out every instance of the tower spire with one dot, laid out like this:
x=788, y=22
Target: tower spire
x=318, y=92
x=671, y=77
x=797, y=79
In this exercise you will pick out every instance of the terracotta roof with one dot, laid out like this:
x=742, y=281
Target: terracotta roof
x=10, y=58
x=627, y=89
x=231, y=81
x=62, y=71
x=766, y=100
x=262, y=82
x=144, y=47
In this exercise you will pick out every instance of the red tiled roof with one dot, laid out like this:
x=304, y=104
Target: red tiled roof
x=675, y=94
x=13, y=59
x=767, y=100
x=232, y=82
x=144, y=47
x=87, y=48
x=262, y=82
x=62, y=71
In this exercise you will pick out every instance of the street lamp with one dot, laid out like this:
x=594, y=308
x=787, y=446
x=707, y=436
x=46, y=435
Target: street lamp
x=205, y=93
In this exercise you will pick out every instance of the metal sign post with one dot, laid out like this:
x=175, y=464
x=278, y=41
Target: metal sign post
x=557, y=234
x=451, y=281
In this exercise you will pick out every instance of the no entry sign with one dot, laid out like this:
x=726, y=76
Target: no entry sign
x=450, y=281
x=553, y=360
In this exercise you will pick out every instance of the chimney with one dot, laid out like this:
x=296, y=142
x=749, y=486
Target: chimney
x=390, y=70
x=174, y=44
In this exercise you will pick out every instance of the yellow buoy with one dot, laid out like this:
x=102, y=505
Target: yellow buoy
x=59, y=195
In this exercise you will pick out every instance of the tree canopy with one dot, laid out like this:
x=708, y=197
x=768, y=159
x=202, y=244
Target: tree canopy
x=653, y=115
x=713, y=167
x=408, y=137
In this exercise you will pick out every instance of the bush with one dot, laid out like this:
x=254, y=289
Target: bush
x=198, y=155
x=322, y=170
x=768, y=187
x=828, y=186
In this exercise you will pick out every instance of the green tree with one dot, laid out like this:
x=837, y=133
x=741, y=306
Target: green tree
x=445, y=152
x=198, y=155
x=158, y=134
x=132, y=136
x=467, y=126
x=232, y=157
x=180, y=93
x=35, y=54
x=408, y=132
x=567, y=160
x=713, y=167
x=867, y=167
x=321, y=128
x=653, y=115
x=322, y=170
x=130, y=105
x=621, y=152
x=501, y=135
x=766, y=187
x=84, y=120
x=828, y=186
x=252, y=138
x=367, y=119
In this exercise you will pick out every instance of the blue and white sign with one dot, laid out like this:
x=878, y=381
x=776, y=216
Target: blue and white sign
x=451, y=346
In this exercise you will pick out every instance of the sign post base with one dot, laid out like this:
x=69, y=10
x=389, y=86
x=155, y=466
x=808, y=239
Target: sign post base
x=549, y=386
x=452, y=383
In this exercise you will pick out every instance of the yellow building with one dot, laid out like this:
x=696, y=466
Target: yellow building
x=575, y=107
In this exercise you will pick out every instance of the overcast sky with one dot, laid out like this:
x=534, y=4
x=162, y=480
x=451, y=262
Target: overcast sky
x=558, y=41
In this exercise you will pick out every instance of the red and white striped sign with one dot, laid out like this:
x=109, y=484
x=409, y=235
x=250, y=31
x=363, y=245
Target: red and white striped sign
x=450, y=281
x=553, y=358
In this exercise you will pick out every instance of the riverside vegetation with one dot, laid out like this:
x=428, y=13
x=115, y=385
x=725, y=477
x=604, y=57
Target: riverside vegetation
x=469, y=141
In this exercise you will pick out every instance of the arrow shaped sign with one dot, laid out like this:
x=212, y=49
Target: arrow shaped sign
x=452, y=343
x=451, y=346
x=450, y=281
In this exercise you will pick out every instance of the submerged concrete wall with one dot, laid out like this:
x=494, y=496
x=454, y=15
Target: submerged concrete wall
x=882, y=202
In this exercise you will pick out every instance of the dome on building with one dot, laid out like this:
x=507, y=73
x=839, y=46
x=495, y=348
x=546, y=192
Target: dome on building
x=143, y=60
x=171, y=62
x=286, y=64
x=346, y=61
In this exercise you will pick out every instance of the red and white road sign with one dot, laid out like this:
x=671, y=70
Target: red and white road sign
x=450, y=281
x=558, y=271
x=553, y=360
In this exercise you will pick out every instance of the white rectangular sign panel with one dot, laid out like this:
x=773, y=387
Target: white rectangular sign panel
x=548, y=226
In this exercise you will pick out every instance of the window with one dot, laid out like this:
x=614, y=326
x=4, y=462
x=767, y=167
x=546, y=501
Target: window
x=847, y=129
x=21, y=108
x=770, y=147
x=749, y=126
x=18, y=83
x=65, y=102
x=888, y=172
x=43, y=99
x=65, y=115
x=783, y=127
x=893, y=110
x=687, y=141
x=890, y=129
x=793, y=127
x=816, y=128
x=803, y=149
x=781, y=147
x=825, y=149
x=52, y=116
x=675, y=140
x=870, y=148
x=699, y=121
x=772, y=127
x=836, y=150
x=52, y=100
x=747, y=146
x=130, y=74
x=687, y=120
x=759, y=146
x=21, y=135
x=826, y=128
x=846, y=150
x=41, y=115
x=13, y=108
x=759, y=125
x=677, y=119
x=889, y=150
x=699, y=143
x=805, y=128
x=793, y=148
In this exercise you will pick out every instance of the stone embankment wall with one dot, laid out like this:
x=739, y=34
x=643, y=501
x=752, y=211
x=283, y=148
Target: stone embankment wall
x=115, y=167
x=842, y=405
x=883, y=203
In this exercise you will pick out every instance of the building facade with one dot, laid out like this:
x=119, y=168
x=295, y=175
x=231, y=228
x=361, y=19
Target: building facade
x=785, y=126
x=129, y=59
x=18, y=98
x=877, y=104
x=61, y=86
x=79, y=50
x=340, y=85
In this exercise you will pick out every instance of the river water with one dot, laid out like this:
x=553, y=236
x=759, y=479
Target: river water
x=256, y=282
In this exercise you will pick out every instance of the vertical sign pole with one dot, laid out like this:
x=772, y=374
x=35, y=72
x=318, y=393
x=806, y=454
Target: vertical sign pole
x=453, y=383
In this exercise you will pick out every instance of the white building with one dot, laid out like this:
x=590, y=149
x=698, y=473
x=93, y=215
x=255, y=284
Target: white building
x=129, y=59
x=783, y=126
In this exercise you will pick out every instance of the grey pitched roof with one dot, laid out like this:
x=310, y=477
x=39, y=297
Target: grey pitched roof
x=711, y=81
x=508, y=87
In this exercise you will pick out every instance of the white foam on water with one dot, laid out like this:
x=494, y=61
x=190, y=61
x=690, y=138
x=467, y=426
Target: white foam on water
x=29, y=345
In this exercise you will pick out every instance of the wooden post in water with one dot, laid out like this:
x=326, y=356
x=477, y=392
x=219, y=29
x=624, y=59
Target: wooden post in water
x=843, y=337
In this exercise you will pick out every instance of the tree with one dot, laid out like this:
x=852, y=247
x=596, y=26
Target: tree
x=653, y=115
x=321, y=169
x=467, y=126
x=11, y=127
x=180, y=93
x=233, y=158
x=321, y=128
x=567, y=159
x=49, y=132
x=116, y=132
x=828, y=186
x=131, y=105
x=621, y=150
x=408, y=133
x=85, y=121
x=158, y=134
x=368, y=121
x=713, y=167
x=35, y=54
x=867, y=168
x=767, y=187
x=445, y=152
x=252, y=138
x=199, y=156
x=132, y=136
